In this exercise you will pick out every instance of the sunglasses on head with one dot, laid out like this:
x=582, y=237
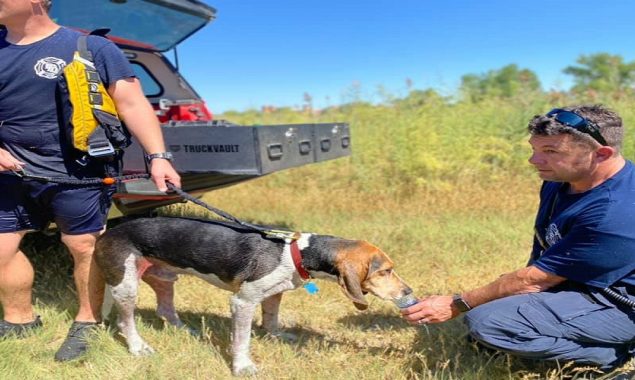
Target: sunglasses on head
x=577, y=122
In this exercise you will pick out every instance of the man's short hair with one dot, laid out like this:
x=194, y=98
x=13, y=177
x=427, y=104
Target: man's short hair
x=608, y=121
x=47, y=4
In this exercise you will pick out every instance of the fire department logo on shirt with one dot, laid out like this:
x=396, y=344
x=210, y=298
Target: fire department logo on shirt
x=552, y=235
x=49, y=67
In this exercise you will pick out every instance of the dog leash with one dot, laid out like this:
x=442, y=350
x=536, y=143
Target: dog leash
x=288, y=236
x=107, y=181
x=271, y=233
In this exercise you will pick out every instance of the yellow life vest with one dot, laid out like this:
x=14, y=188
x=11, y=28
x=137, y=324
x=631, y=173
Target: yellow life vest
x=92, y=123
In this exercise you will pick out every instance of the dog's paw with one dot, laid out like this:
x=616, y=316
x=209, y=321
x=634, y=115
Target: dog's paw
x=244, y=368
x=141, y=349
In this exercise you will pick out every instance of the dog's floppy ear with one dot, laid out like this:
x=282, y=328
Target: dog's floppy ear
x=351, y=281
x=376, y=263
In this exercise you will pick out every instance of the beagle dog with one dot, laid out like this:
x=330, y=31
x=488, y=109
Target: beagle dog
x=255, y=268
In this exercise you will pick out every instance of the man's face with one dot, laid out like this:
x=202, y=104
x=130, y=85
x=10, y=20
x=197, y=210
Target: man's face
x=560, y=158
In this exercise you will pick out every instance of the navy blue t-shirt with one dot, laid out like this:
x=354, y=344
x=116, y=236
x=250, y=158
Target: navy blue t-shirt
x=30, y=128
x=589, y=237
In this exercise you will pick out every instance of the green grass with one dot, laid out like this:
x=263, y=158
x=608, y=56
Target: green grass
x=444, y=189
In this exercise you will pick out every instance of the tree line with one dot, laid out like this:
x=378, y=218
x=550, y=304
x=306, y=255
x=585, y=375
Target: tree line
x=594, y=75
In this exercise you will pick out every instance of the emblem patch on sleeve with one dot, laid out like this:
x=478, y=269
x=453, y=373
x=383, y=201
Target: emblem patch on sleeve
x=553, y=235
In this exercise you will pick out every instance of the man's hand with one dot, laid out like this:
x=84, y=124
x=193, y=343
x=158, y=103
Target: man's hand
x=8, y=162
x=436, y=309
x=433, y=309
x=161, y=171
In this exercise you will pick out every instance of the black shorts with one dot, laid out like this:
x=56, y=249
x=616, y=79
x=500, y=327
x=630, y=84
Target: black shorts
x=31, y=205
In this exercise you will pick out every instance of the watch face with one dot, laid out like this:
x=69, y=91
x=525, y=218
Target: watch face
x=460, y=303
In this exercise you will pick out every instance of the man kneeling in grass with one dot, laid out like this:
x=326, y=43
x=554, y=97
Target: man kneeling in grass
x=575, y=299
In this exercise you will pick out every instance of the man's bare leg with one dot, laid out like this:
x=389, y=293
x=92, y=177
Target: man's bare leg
x=89, y=281
x=16, y=279
x=90, y=294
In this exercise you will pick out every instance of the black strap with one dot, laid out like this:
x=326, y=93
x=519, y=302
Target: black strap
x=80, y=182
x=219, y=212
x=268, y=233
x=82, y=48
x=82, y=43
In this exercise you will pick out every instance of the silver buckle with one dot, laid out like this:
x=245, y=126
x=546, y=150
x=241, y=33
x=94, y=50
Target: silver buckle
x=101, y=150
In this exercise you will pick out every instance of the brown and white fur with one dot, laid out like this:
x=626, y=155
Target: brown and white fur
x=256, y=269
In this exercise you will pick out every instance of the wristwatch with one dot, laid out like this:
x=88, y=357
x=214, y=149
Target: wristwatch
x=460, y=303
x=165, y=155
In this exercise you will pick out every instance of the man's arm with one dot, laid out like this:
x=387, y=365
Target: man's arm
x=526, y=280
x=135, y=110
x=435, y=309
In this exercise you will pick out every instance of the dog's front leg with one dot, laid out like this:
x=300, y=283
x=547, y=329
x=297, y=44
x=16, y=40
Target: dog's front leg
x=242, y=317
x=125, y=296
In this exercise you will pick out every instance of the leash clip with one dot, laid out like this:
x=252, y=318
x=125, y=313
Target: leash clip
x=281, y=234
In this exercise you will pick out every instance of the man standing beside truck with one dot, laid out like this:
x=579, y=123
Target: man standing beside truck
x=33, y=52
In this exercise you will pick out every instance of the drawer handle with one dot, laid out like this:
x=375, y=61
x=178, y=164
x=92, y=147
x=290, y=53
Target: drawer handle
x=274, y=151
x=325, y=145
x=305, y=147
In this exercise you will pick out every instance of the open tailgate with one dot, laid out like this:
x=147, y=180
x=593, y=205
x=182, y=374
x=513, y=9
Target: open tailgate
x=158, y=24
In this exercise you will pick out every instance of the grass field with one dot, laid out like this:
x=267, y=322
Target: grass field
x=443, y=189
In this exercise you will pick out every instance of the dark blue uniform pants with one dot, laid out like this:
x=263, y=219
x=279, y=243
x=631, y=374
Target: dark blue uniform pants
x=563, y=325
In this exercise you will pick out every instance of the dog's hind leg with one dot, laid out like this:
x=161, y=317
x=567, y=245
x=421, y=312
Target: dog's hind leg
x=242, y=317
x=270, y=310
x=124, y=295
x=161, y=280
x=270, y=318
x=106, y=306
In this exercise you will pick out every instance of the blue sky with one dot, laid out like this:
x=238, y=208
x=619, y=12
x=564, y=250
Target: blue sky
x=261, y=52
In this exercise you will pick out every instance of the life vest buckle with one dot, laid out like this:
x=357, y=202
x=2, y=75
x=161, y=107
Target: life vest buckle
x=95, y=98
x=101, y=149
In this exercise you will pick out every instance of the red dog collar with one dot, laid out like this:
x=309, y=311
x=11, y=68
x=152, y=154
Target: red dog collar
x=297, y=260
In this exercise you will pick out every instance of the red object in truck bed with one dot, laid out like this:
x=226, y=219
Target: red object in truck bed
x=182, y=111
